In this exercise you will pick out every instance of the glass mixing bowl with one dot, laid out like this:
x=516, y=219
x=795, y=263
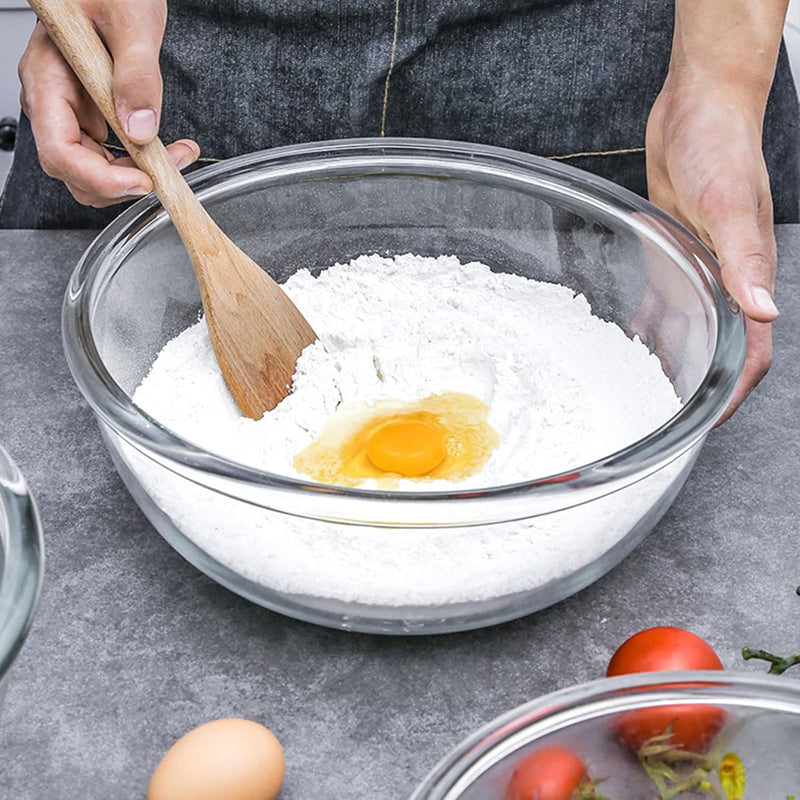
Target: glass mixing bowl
x=21, y=564
x=379, y=561
x=759, y=718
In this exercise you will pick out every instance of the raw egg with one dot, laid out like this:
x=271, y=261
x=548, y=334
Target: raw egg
x=444, y=436
x=235, y=759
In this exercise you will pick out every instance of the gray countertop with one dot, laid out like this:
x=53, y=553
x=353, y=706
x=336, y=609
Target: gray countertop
x=132, y=646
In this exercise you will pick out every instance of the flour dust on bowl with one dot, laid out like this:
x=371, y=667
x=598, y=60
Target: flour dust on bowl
x=578, y=734
x=582, y=332
x=21, y=564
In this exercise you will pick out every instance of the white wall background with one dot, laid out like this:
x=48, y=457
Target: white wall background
x=792, y=37
x=16, y=20
x=794, y=12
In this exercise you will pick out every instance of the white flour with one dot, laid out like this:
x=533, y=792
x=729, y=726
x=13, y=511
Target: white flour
x=562, y=386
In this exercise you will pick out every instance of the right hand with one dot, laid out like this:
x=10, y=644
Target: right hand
x=68, y=127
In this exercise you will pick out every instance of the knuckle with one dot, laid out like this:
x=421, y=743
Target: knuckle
x=137, y=78
x=721, y=201
x=50, y=163
x=711, y=198
x=34, y=52
x=760, y=262
x=751, y=262
x=23, y=65
x=147, y=17
x=89, y=198
x=82, y=197
x=107, y=183
x=27, y=65
x=99, y=186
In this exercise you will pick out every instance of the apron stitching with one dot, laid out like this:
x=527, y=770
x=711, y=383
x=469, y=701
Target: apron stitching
x=582, y=154
x=622, y=151
x=391, y=66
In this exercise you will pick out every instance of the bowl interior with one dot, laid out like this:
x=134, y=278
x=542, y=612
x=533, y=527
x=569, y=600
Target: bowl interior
x=341, y=556
x=310, y=209
x=759, y=717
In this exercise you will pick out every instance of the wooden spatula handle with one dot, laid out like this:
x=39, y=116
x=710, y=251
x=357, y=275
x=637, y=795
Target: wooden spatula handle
x=75, y=36
x=256, y=331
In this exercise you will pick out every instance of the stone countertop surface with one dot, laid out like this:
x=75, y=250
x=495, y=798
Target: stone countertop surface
x=132, y=646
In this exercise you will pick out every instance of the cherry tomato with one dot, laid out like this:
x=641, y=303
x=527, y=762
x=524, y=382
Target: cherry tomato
x=662, y=648
x=666, y=648
x=549, y=773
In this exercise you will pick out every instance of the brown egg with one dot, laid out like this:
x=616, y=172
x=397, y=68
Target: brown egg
x=234, y=759
x=444, y=436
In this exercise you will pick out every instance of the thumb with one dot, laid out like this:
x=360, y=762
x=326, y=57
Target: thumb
x=133, y=34
x=740, y=229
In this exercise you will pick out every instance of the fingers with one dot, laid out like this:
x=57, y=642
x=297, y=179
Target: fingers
x=44, y=74
x=756, y=365
x=133, y=33
x=68, y=127
x=92, y=175
x=100, y=180
x=705, y=166
x=183, y=153
x=738, y=221
x=735, y=220
x=67, y=152
x=65, y=125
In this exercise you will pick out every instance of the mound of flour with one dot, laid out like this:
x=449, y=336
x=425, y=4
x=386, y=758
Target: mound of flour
x=563, y=388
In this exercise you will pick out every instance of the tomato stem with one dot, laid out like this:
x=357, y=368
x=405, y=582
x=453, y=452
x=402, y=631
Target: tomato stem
x=779, y=664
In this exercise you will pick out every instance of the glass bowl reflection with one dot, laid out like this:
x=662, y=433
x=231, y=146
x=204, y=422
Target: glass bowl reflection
x=317, y=204
x=21, y=564
x=761, y=727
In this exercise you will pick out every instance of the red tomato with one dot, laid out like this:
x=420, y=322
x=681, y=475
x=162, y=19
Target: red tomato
x=666, y=648
x=549, y=773
x=662, y=649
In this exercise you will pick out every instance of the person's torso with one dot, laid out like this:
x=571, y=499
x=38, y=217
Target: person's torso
x=547, y=77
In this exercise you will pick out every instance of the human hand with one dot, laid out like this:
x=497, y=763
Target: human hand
x=68, y=127
x=705, y=167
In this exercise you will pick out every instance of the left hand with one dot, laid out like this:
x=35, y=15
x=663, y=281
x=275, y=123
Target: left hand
x=705, y=167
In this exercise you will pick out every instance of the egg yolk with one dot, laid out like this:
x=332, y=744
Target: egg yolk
x=407, y=447
x=444, y=436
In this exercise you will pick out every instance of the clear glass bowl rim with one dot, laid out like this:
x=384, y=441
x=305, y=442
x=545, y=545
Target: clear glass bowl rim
x=573, y=705
x=23, y=562
x=112, y=404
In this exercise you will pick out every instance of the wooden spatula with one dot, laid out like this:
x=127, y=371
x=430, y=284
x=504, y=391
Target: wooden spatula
x=257, y=332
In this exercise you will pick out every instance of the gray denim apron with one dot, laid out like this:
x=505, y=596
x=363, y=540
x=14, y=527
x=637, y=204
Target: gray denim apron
x=568, y=79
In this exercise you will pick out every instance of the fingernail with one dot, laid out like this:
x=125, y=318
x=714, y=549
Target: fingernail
x=141, y=124
x=184, y=161
x=763, y=300
x=136, y=191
